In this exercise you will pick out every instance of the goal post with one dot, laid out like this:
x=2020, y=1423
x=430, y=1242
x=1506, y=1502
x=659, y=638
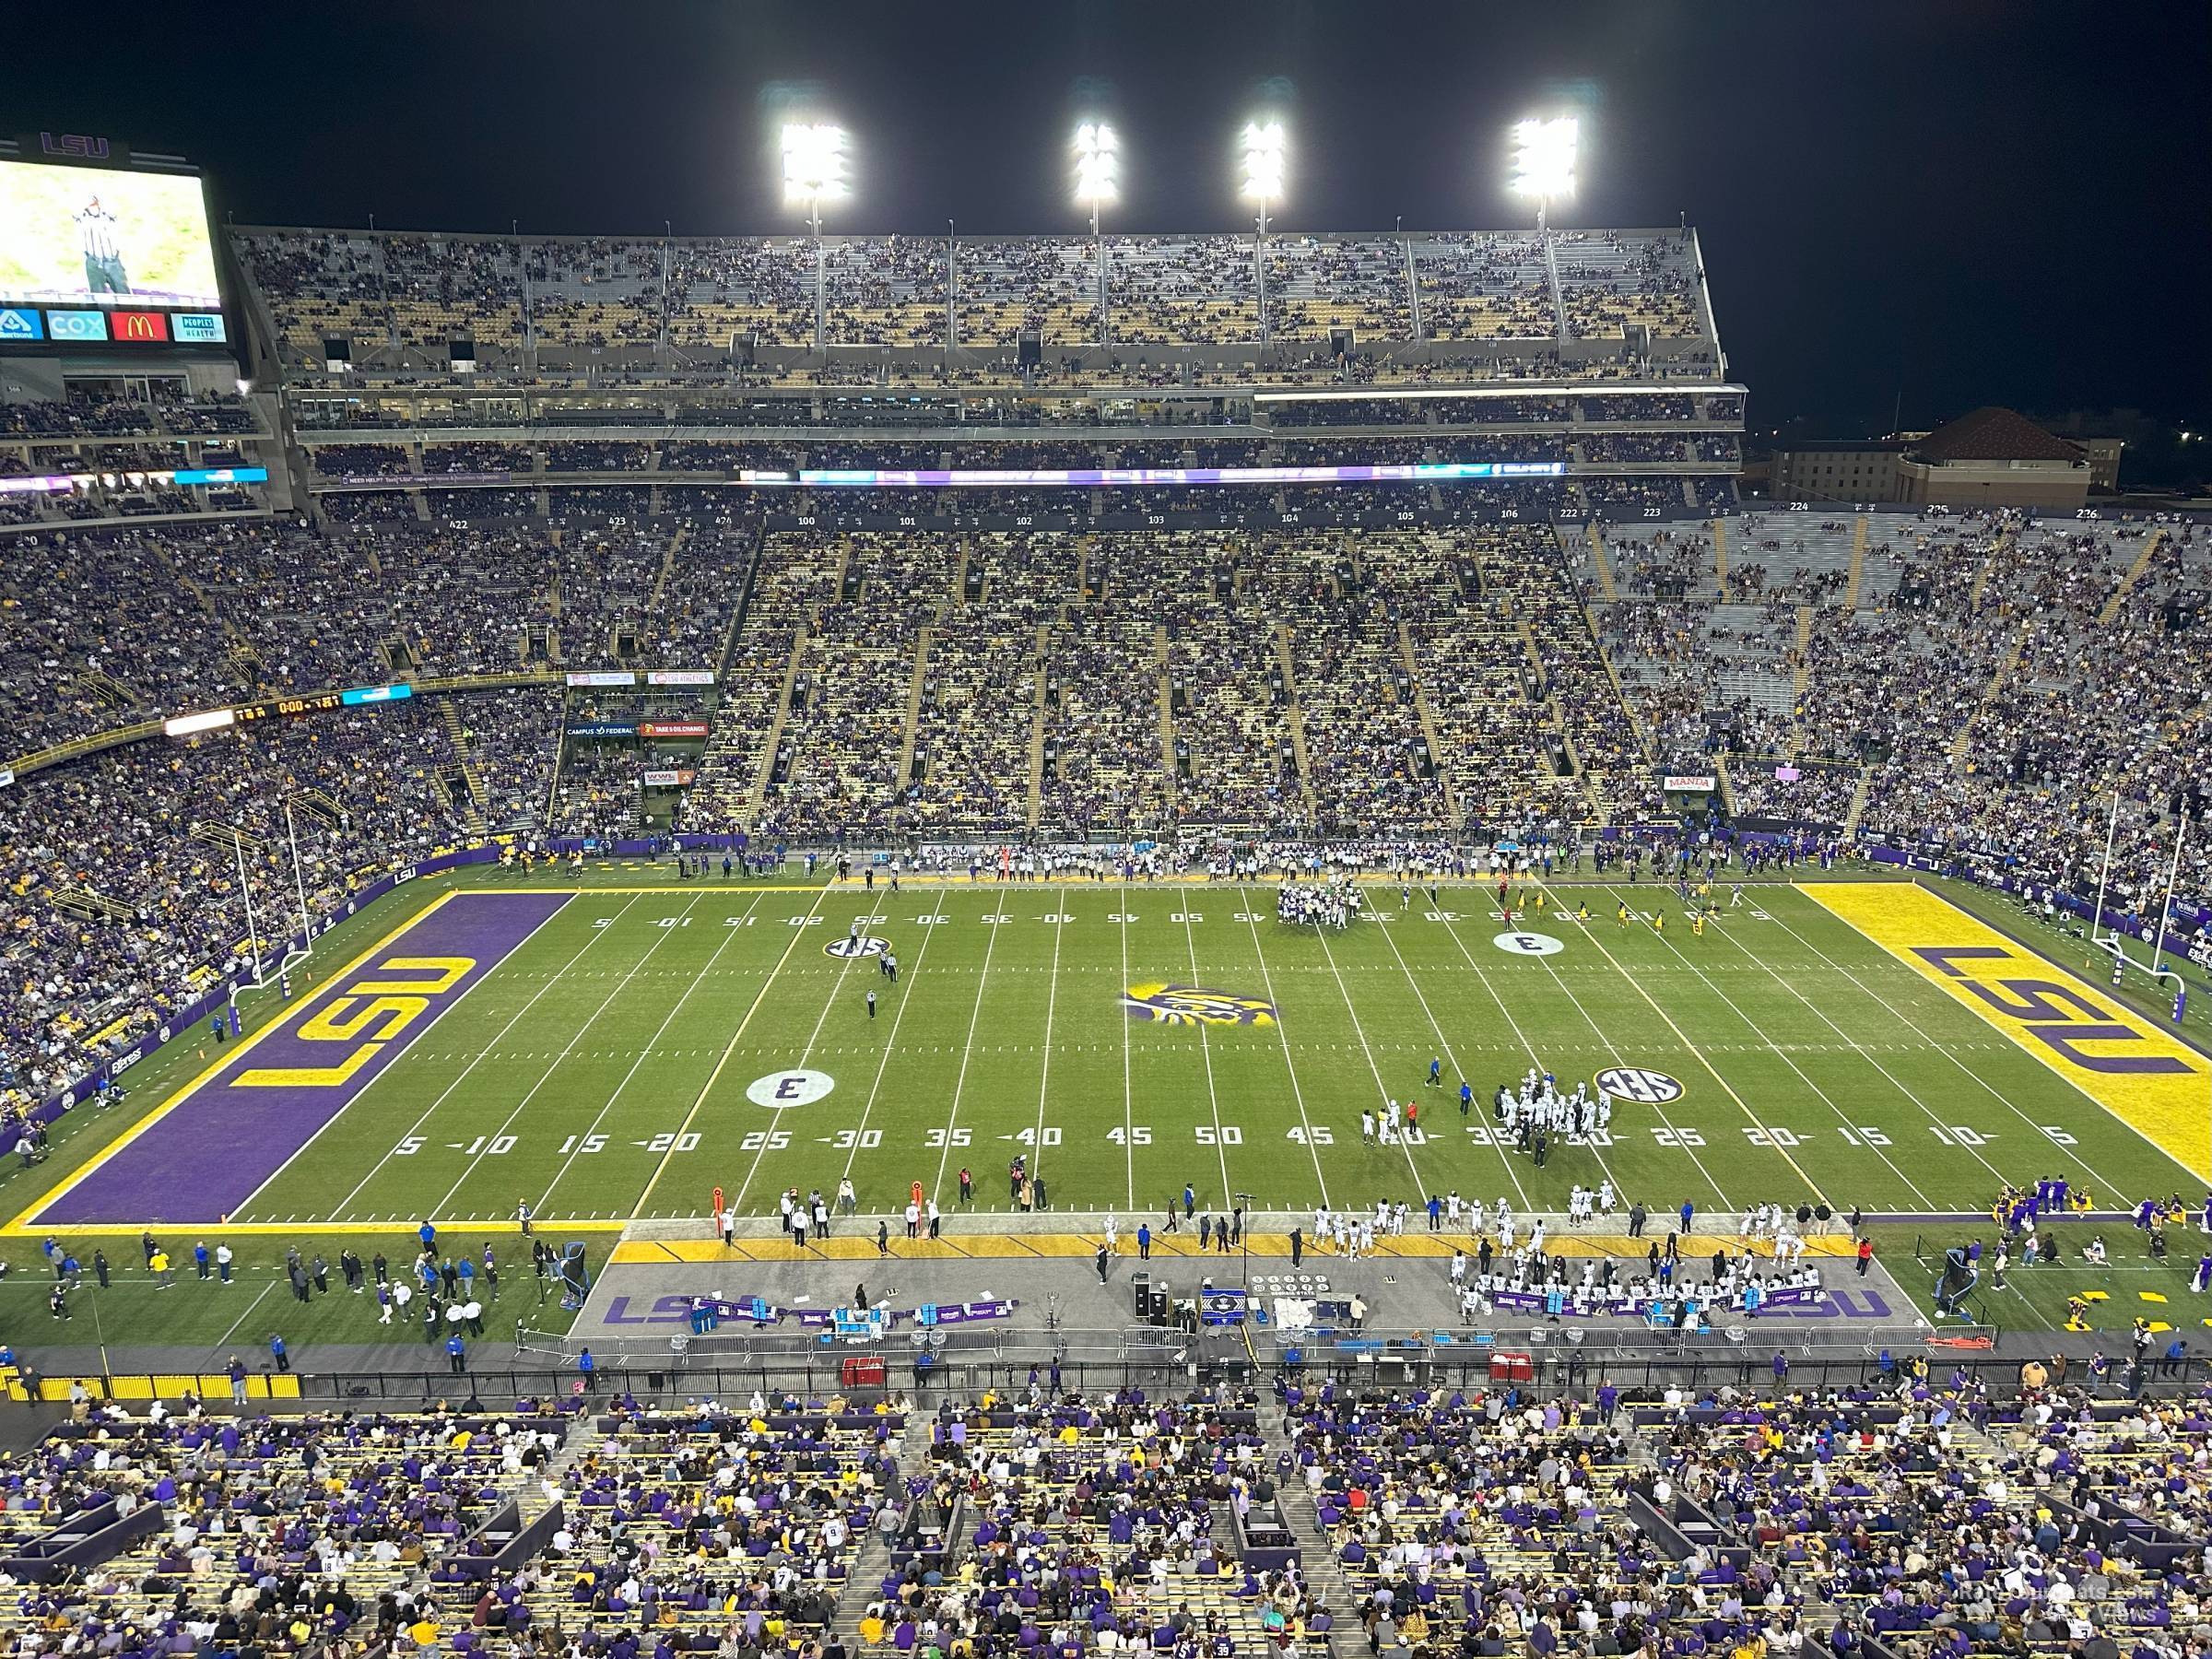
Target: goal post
x=2111, y=940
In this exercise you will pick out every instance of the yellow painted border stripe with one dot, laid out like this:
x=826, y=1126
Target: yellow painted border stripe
x=22, y=1225
x=860, y=1245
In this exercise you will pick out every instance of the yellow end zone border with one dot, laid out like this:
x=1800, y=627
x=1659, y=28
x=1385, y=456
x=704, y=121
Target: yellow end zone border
x=22, y=1225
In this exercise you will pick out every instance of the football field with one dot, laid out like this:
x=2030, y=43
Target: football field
x=606, y=1055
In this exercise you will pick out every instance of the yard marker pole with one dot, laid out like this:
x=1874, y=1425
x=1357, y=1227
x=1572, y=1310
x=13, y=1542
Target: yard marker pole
x=2104, y=875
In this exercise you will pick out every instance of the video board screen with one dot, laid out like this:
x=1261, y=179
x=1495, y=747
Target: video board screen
x=89, y=236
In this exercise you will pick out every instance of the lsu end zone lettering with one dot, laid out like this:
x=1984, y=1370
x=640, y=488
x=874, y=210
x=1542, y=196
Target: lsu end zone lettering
x=2151, y=1081
x=205, y=1152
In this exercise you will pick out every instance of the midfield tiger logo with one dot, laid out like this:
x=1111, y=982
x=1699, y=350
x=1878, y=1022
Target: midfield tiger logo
x=1195, y=1005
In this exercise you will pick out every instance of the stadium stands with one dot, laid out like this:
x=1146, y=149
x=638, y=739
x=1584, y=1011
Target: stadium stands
x=1907, y=1515
x=1455, y=660
x=1974, y=684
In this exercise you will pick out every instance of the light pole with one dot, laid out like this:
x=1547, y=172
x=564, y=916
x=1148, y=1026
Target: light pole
x=814, y=172
x=1544, y=158
x=1263, y=160
x=1098, y=175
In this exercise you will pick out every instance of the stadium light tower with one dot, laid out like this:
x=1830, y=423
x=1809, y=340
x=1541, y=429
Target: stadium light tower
x=1098, y=182
x=1098, y=168
x=814, y=168
x=1262, y=145
x=814, y=172
x=1544, y=160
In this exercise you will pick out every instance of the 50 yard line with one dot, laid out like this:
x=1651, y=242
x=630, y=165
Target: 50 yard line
x=1206, y=1050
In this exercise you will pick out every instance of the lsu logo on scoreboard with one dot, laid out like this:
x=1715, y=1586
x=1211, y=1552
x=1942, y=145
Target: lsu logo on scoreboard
x=363, y=1019
x=1194, y=1004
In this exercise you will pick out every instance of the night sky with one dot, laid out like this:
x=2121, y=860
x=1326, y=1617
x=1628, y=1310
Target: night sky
x=1982, y=202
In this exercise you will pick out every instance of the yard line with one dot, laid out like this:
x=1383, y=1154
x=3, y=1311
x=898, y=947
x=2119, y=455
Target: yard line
x=1290, y=1065
x=1206, y=1048
x=1510, y=1174
x=1742, y=1104
x=337, y=1210
x=883, y=1061
x=473, y=1159
x=968, y=1049
x=1804, y=1077
x=1052, y=999
x=1606, y=1042
x=837, y=984
x=797, y=933
x=729, y=933
x=1128, y=1093
x=1949, y=1052
x=224, y=1340
x=1359, y=1031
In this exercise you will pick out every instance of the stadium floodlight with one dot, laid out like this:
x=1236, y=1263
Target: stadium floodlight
x=1264, y=165
x=1098, y=168
x=1544, y=159
x=814, y=166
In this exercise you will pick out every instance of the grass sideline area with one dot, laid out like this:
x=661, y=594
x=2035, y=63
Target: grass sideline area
x=602, y=1070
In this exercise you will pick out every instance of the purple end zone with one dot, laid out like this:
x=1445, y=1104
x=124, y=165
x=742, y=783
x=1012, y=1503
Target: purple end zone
x=211, y=1150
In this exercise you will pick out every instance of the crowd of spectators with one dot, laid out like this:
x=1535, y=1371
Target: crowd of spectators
x=119, y=898
x=1975, y=683
x=1912, y=1514
x=400, y=299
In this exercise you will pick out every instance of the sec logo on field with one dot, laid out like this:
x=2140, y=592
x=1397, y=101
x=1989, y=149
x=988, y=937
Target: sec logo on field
x=1640, y=1083
x=1529, y=943
x=865, y=946
x=795, y=1088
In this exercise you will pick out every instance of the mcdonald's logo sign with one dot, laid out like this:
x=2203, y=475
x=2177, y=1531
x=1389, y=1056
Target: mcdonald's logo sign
x=139, y=326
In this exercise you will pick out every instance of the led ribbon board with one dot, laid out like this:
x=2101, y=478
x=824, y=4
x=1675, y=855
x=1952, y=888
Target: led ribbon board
x=955, y=478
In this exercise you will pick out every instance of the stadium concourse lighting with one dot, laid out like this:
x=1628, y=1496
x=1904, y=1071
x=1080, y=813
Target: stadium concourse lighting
x=814, y=166
x=1544, y=158
x=1263, y=165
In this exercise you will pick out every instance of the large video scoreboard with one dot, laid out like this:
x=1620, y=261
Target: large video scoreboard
x=111, y=257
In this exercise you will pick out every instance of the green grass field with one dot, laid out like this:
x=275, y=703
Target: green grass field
x=601, y=1070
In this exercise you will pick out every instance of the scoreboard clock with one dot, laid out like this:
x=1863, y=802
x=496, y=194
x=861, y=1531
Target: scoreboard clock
x=291, y=705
